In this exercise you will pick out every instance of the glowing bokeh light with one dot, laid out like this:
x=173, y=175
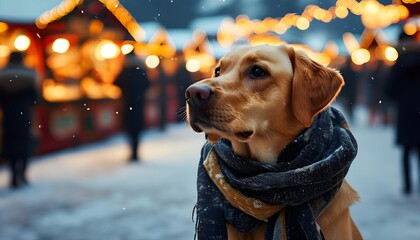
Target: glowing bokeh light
x=360, y=56
x=410, y=28
x=61, y=45
x=22, y=42
x=391, y=54
x=127, y=48
x=341, y=12
x=193, y=65
x=302, y=23
x=3, y=27
x=109, y=50
x=152, y=61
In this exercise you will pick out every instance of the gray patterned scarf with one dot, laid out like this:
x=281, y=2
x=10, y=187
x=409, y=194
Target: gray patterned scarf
x=307, y=175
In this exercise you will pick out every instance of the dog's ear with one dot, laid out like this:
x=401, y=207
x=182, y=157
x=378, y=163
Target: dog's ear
x=314, y=86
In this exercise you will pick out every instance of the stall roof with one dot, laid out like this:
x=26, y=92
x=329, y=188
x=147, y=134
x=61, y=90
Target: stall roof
x=43, y=12
x=24, y=11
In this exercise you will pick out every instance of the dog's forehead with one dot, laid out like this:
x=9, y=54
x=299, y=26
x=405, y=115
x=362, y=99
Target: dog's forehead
x=262, y=52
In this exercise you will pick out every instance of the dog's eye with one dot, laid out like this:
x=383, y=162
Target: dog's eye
x=257, y=72
x=217, y=72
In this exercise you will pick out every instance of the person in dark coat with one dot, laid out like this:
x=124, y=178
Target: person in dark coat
x=404, y=87
x=348, y=93
x=133, y=82
x=18, y=96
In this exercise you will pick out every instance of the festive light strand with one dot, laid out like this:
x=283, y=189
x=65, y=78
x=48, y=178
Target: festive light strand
x=373, y=15
x=114, y=6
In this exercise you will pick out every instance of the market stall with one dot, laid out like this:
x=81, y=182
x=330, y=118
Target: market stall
x=77, y=48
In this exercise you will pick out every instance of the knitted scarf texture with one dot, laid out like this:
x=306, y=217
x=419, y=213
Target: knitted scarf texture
x=292, y=193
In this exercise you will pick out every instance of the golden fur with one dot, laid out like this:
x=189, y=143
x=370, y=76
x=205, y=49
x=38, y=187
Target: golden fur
x=260, y=99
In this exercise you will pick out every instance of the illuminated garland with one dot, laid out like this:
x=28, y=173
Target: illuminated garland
x=114, y=6
x=126, y=19
x=410, y=1
x=373, y=15
x=56, y=13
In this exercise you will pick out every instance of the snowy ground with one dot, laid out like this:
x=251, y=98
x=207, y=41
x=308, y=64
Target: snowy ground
x=92, y=193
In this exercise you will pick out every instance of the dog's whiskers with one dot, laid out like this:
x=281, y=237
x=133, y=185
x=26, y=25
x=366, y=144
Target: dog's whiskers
x=182, y=114
x=239, y=117
x=266, y=134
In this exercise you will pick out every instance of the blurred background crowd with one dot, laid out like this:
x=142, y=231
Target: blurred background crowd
x=77, y=49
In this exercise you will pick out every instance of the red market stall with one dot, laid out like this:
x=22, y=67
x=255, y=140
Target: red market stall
x=77, y=48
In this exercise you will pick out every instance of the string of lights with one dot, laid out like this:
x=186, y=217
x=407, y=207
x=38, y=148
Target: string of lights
x=373, y=15
x=114, y=6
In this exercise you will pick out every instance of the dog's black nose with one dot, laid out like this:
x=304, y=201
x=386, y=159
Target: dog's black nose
x=196, y=94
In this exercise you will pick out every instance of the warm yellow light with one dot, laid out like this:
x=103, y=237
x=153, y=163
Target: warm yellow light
x=350, y=42
x=360, y=56
x=331, y=50
x=22, y=43
x=410, y=28
x=243, y=27
x=391, y=54
x=225, y=34
x=4, y=51
x=59, y=91
x=193, y=65
x=127, y=48
x=323, y=59
x=403, y=11
x=225, y=40
x=302, y=23
x=3, y=27
x=342, y=3
x=356, y=8
x=327, y=18
x=258, y=27
x=152, y=61
x=372, y=7
x=95, y=27
x=109, y=50
x=411, y=1
x=280, y=28
x=341, y=12
x=61, y=45
x=111, y=91
x=319, y=13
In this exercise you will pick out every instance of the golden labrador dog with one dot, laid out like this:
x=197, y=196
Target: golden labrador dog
x=260, y=98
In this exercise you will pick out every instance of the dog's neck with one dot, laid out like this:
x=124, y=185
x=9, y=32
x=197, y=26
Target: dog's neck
x=261, y=149
x=266, y=145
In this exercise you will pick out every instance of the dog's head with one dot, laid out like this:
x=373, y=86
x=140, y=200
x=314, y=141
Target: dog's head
x=260, y=98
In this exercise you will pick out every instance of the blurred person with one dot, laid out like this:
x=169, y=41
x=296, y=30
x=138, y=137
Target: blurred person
x=375, y=73
x=347, y=96
x=403, y=87
x=18, y=96
x=134, y=83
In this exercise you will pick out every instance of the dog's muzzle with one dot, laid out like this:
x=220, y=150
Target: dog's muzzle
x=198, y=98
